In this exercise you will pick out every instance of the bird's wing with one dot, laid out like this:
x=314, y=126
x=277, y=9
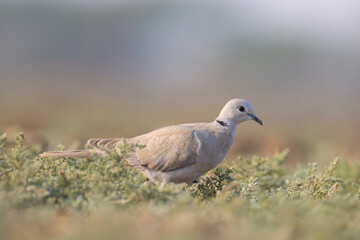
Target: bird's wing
x=167, y=149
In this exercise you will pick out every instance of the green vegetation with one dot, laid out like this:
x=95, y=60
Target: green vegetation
x=104, y=198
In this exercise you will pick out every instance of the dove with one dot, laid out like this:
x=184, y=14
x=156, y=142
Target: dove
x=179, y=153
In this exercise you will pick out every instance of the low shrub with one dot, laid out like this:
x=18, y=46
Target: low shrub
x=257, y=198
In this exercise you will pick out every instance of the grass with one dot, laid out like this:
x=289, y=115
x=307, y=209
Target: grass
x=104, y=198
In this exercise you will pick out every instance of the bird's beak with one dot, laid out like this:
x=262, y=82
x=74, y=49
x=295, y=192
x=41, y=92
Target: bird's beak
x=255, y=118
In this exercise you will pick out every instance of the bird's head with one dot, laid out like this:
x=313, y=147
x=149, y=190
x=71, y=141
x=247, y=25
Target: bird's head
x=236, y=111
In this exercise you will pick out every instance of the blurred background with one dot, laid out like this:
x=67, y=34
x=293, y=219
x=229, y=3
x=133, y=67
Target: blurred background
x=71, y=70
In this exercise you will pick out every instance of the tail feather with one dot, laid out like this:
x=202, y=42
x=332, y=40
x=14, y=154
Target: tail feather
x=70, y=153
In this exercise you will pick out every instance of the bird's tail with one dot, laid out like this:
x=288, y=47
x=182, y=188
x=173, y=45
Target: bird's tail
x=70, y=153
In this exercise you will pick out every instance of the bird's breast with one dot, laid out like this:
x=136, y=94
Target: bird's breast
x=215, y=148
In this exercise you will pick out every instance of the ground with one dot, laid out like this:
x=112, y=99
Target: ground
x=104, y=198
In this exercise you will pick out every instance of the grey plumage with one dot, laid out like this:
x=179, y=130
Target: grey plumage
x=179, y=153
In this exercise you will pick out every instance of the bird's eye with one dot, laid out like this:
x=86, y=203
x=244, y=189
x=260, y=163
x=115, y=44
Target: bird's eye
x=242, y=109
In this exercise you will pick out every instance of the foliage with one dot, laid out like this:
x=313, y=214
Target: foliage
x=103, y=197
x=208, y=187
x=29, y=180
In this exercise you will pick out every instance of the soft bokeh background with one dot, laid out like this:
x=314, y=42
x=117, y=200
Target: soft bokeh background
x=71, y=70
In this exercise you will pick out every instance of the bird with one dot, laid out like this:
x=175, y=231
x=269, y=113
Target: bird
x=178, y=153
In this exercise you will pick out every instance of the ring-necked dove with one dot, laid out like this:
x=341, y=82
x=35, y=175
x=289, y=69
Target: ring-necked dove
x=179, y=153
